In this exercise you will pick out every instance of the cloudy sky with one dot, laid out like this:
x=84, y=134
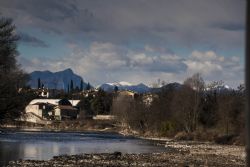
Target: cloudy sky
x=133, y=40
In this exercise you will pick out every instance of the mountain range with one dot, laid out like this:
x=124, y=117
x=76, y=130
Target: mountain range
x=140, y=88
x=62, y=79
x=56, y=80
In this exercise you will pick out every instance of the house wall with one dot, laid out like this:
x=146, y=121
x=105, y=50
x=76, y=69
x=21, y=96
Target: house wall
x=58, y=114
x=30, y=117
x=104, y=117
x=45, y=94
x=34, y=109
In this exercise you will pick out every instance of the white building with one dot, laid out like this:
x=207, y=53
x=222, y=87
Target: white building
x=43, y=92
x=58, y=109
x=148, y=99
x=53, y=101
x=104, y=117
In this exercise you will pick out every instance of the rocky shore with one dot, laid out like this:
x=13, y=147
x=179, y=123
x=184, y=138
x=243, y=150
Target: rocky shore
x=180, y=153
x=183, y=154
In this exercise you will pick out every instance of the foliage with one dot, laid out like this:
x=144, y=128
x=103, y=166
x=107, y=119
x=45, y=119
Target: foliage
x=71, y=86
x=81, y=85
x=116, y=88
x=102, y=102
x=88, y=87
x=208, y=114
x=85, y=105
x=38, y=83
x=96, y=103
x=13, y=79
x=194, y=109
x=167, y=128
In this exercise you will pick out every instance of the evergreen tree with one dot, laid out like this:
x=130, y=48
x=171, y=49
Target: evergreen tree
x=116, y=88
x=38, y=83
x=88, y=87
x=71, y=86
x=77, y=89
x=81, y=85
x=12, y=78
x=97, y=104
x=102, y=102
x=85, y=105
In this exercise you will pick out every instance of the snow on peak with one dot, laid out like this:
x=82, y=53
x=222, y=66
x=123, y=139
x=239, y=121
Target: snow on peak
x=113, y=84
x=124, y=83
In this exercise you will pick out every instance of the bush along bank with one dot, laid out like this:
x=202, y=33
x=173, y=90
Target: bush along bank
x=194, y=111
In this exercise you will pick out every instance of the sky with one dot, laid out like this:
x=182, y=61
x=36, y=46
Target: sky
x=138, y=41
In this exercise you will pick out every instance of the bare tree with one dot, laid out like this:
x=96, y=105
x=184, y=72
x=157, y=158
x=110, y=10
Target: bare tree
x=214, y=84
x=121, y=108
x=183, y=106
x=197, y=83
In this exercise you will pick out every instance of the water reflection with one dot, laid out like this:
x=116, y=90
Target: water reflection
x=45, y=145
x=9, y=151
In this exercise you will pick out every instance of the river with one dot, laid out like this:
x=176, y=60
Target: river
x=17, y=145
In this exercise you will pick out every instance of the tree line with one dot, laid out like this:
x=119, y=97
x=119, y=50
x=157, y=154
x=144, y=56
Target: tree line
x=71, y=87
x=97, y=103
x=195, y=110
x=13, y=80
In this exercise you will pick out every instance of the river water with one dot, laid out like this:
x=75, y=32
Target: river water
x=44, y=145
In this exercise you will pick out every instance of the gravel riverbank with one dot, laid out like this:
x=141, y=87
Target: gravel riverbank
x=182, y=154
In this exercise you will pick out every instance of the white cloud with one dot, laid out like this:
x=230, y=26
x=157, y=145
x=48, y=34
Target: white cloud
x=206, y=68
x=209, y=55
x=110, y=57
x=215, y=67
x=106, y=62
x=142, y=59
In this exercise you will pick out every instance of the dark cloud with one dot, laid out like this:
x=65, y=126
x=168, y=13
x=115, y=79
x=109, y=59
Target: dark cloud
x=31, y=40
x=147, y=31
x=164, y=21
x=230, y=26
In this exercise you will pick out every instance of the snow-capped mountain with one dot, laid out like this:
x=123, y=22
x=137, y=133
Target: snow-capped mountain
x=140, y=88
x=220, y=88
x=122, y=83
x=55, y=80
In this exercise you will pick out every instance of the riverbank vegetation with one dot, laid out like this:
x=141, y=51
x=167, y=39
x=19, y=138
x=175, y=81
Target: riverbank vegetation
x=195, y=111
